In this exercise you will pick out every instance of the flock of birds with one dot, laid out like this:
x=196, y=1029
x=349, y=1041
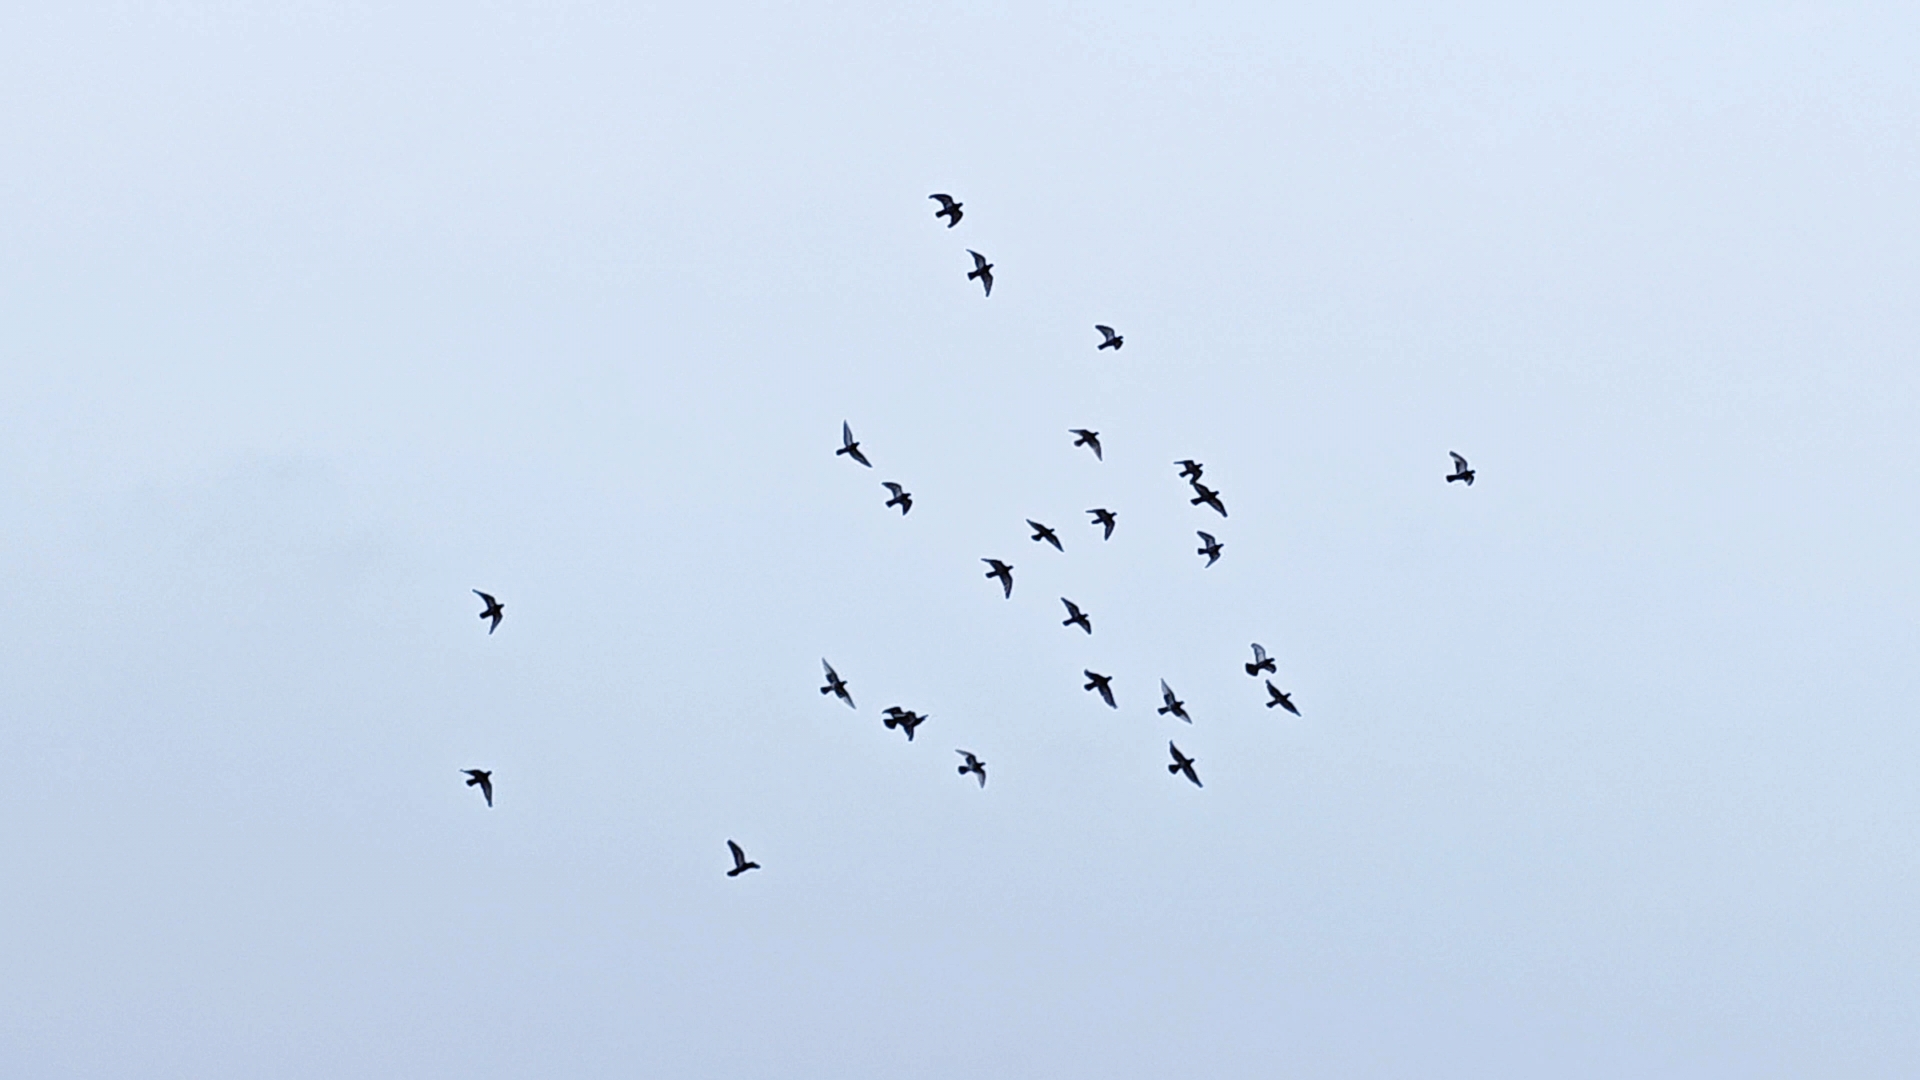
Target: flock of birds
x=906, y=720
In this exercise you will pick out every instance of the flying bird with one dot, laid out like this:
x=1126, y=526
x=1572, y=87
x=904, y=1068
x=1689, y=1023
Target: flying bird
x=849, y=447
x=1183, y=764
x=974, y=765
x=1041, y=532
x=1104, y=518
x=904, y=719
x=1003, y=572
x=1190, y=469
x=1204, y=494
x=1173, y=704
x=1460, y=470
x=495, y=610
x=982, y=269
x=1212, y=548
x=836, y=686
x=483, y=779
x=1261, y=662
x=1088, y=439
x=740, y=863
x=902, y=498
x=1285, y=701
x=1100, y=684
x=949, y=208
x=1114, y=341
x=1076, y=617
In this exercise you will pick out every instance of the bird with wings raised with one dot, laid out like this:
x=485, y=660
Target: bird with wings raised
x=902, y=498
x=1113, y=341
x=740, y=863
x=1211, y=548
x=1172, y=704
x=949, y=208
x=483, y=779
x=1261, y=662
x=974, y=765
x=1460, y=470
x=849, y=446
x=495, y=610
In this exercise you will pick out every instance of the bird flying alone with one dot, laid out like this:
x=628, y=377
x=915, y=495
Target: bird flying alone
x=974, y=765
x=902, y=498
x=849, y=447
x=1088, y=439
x=1076, y=617
x=1102, y=685
x=1173, y=704
x=1114, y=341
x=1003, y=572
x=1204, y=494
x=1212, y=548
x=1285, y=701
x=1104, y=518
x=1460, y=470
x=1261, y=662
x=740, y=863
x=949, y=208
x=1182, y=764
x=836, y=686
x=1042, y=533
x=483, y=779
x=495, y=610
x=982, y=269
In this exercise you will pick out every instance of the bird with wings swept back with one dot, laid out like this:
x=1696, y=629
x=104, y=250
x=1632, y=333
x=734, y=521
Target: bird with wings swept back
x=849, y=446
x=1190, y=469
x=740, y=863
x=974, y=765
x=949, y=208
x=1042, y=533
x=982, y=269
x=495, y=610
x=482, y=778
x=1211, y=549
x=1113, y=341
x=1088, y=439
x=1104, y=518
x=1460, y=470
x=1076, y=617
x=902, y=498
x=1204, y=494
x=1261, y=662
x=836, y=686
x=1285, y=701
x=1183, y=764
x=1173, y=704
x=904, y=719
x=1003, y=572
x=1102, y=685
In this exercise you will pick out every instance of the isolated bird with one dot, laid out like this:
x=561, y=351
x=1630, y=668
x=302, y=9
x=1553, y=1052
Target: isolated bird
x=1041, y=532
x=1003, y=572
x=902, y=498
x=740, y=863
x=1105, y=518
x=974, y=765
x=495, y=610
x=1204, y=494
x=1173, y=704
x=982, y=269
x=1285, y=701
x=1261, y=662
x=1190, y=469
x=904, y=719
x=1460, y=470
x=1088, y=439
x=849, y=447
x=1212, y=549
x=836, y=686
x=949, y=208
x=1100, y=684
x=1114, y=341
x=1076, y=617
x=1183, y=764
x=483, y=778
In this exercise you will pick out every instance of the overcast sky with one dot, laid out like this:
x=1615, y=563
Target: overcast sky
x=312, y=321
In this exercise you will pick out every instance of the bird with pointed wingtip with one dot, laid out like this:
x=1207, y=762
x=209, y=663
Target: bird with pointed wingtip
x=1212, y=548
x=904, y=719
x=1460, y=470
x=1183, y=764
x=1088, y=439
x=1042, y=533
x=483, y=779
x=1190, y=469
x=740, y=863
x=949, y=208
x=1003, y=572
x=836, y=686
x=849, y=447
x=1114, y=341
x=902, y=498
x=495, y=610
x=1173, y=704
x=1076, y=617
x=1104, y=518
x=1285, y=701
x=1261, y=661
x=982, y=269
x=1204, y=494
x=1102, y=685
x=974, y=765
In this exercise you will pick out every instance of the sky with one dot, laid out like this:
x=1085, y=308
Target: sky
x=316, y=317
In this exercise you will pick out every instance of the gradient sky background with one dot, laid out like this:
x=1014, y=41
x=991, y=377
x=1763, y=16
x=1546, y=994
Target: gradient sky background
x=312, y=320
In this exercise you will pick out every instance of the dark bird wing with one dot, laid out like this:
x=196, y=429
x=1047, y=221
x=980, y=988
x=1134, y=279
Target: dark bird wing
x=1106, y=693
x=893, y=487
x=986, y=281
x=486, y=787
x=979, y=260
x=831, y=676
x=1259, y=652
x=846, y=434
x=1205, y=538
x=739, y=857
x=946, y=202
x=1166, y=693
x=487, y=598
x=1105, y=331
x=1073, y=609
x=1459, y=463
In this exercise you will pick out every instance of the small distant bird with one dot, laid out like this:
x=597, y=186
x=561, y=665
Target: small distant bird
x=1460, y=470
x=1204, y=494
x=1183, y=764
x=1100, y=684
x=1105, y=518
x=1088, y=439
x=1212, y=548
x=1173, y=704
x=482, y=778
x=904, y=719
x=849, y=447
x=836, y=686
x=949, y=208
x=974, y=765
x=740, y=863
x=1114, y=341
x=1285, y=701
x=1041, y=532
x=1190, y=469
x=902, y=498
x=1003, y=572
x=495, y=610
x=1261, y=662
x=1076, y=617
x=982, y=269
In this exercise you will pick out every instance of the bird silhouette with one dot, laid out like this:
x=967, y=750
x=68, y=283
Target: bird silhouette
x=1076, y=617
x=904, y=719
x=1114, y=341
x=1100, y=684
x=1261, y=662
x=1285, y=701
x=1104, y=518
x=1041, y=532
x=1183, y=764
x=849, y=447
x=483, y=779
x=1190, y=469
x=949, y=208
x=1088, y=439
x=836, y=686
x=974, y=765
x=1204, y=494
x=1212, y=548
x=1003, y=572
x=902, y=498
x=982, y=269
x=1173, y=704
x=495, y=610
x=1460, y=470
x=740, y=863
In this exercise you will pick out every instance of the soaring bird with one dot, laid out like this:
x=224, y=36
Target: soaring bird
x=482, y=778
x=949, y=208
x=904, y=719
x=1212, y=548
x=836, y=686
x=974, y=765
x=1104, y=518
x=982, y=269
x=1285, y=701
x=740, y=863
x=1204, y=494
x=1261, y=662
x=1088, y=439
x=1041, y=532
x=1114, y=341
x=1460, y=470
x=495, y=610
x=849, y=447
x=1173, y=704
x=1100, y=684
x=1003, y=572
x=1183, y=764
x=1076, y=617
x=902, y=498
x=1190, y=469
